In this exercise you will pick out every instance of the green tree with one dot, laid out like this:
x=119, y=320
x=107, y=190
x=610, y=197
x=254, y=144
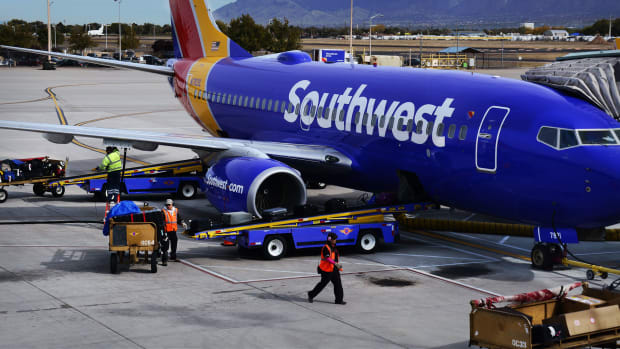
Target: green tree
x=282, y=37
x=602, y=27
x=245, y=32
x=130, y=40
x=79, y=40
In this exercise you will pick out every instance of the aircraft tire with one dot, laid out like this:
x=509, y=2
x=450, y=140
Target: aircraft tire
x=3, y=195
x=58, y=191
x=541, y=257
x=274, y=247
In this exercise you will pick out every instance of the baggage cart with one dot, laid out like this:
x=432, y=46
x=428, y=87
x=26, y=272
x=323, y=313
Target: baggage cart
x=591, y=319
x=128, y=240
x=35, y=171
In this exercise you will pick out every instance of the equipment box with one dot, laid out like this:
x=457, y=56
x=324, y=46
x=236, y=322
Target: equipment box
x=576, y=322
x=127, y=240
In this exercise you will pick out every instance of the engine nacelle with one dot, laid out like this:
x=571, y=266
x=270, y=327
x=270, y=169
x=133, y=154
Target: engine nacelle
x=253, y=185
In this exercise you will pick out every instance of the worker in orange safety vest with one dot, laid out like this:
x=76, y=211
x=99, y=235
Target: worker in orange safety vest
x=329, y=268
x=171, y=217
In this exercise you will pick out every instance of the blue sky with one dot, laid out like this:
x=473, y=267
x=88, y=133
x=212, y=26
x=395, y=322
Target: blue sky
x=88, y=11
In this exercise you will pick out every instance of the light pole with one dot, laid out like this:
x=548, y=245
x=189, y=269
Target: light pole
x=370, y=33
x=105, y=26
x=54, y=35
x=351, y=36
x=119, y=30
x=49, y=32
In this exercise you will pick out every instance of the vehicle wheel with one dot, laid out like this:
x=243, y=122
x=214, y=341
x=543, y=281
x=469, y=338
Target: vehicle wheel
x=590, y=275
x=58, y=191
x=187, y=191
x=3, y=195
x=114, y=263
x=154, y=262
x=366, y=241
x=604, y=275
x=274, y=247
x=541, y=257
x=38, y=189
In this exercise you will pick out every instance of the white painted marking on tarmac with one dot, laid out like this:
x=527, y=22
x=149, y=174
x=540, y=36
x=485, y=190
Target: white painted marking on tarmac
x=445, y=265
x=490, y=259
x=255, y=269
x=205, y=270
x=461, y=235
x=502, y=241
x=427, y=256
x=453, y=282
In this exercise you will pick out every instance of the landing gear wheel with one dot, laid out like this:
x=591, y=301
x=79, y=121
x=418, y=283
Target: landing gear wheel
x=114, y=263
x=366, y=242
x=274, y=247
x=38, y=189
x=541, y=257
x=187, y=191
x=58, y=191
x=590, y=275
x=3, y=195
x=154, y=262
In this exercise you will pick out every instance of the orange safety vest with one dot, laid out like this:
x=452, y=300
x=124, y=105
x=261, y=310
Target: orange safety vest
x=171, y=219
x=324, y=264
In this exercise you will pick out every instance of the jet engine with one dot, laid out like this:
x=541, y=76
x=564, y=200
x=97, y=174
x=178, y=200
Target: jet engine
x=253, y=185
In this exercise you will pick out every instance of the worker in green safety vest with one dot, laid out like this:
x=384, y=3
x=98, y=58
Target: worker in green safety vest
x=112, y=164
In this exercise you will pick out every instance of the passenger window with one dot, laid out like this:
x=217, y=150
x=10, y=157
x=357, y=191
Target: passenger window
x=245, y=101
x=357, y=118
x=391, y=123
x=319, y=113
x=334, y=114
x=382, y=121
x=440, y=129
x=365, y=121
x=224, y=98
x=297, y=107
x=235, y=100
x=264, y=104
x=374, y=120
x=451, y=131
x=270, y=105
x=290, y=108
x=409, y=125
x=195, y=93
x=548, y=136
x=219, y=98
x=568, y=139
x=326, y=114
x=252, y=102
x=399, y=126
x=600, y=137
x=276, y=105
x=463, y=132
x=418, y=127
x=209, y=96
x=230, y=97
x=283, y=107
x=429, y=128
x=341, y=115
x=307, y=109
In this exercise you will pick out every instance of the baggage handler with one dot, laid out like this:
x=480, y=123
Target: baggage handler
x=329, y=268
x=113, y=165
x=171, y=217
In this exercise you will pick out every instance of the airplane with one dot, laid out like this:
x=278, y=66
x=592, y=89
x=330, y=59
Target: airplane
x=96, y=32
x=485, y=144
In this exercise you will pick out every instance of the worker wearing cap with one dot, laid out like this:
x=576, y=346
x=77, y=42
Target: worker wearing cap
x=171, y=217
x=113, y=165
x=329, y=268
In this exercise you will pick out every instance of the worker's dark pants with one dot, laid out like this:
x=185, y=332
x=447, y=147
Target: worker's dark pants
x=172, y=243
x=326, y=277
x=113, y=186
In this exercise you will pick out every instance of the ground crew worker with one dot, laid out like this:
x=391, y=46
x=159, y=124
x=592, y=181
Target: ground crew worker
x=112, y=164
x=171, y=217
x=329, y=268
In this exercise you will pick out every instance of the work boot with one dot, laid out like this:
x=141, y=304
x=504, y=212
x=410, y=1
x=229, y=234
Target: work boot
x=309, y=298
x=164, y=263
x=341, y=302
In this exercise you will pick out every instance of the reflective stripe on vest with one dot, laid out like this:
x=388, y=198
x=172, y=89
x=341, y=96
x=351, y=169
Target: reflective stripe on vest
x=325, y=265
x=171, y=219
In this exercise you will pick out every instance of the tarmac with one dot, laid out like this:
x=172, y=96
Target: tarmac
x=56, y=290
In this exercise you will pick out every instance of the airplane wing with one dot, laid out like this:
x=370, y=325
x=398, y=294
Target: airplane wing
x=298, y=154
x=168, y=71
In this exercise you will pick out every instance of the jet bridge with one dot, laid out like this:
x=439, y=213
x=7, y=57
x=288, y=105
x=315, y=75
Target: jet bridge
x=594, y=77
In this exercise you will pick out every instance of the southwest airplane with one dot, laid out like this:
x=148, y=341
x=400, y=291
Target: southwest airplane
x=501, y=147
x=96, y=32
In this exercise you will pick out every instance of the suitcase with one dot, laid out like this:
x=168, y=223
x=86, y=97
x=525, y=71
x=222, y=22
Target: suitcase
x=335, y=205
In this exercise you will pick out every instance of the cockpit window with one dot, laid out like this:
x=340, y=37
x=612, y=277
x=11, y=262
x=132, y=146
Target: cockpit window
x=549, y=136
x=597, y=137
x=568, y=139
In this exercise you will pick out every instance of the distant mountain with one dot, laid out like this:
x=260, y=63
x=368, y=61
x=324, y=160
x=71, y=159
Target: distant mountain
x=425, y=13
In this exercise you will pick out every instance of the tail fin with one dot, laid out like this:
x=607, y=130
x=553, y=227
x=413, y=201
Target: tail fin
x=195, y=33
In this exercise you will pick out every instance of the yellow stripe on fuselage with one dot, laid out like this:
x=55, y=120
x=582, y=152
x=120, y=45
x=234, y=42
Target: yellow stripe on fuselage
x=214, y=41
x=197, y=81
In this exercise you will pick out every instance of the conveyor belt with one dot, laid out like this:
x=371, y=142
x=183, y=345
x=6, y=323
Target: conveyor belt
x=597, y=80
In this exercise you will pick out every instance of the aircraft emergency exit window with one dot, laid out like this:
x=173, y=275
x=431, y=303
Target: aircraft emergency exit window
x=599, y=137
x=463, y=133
x=451, y=131
x=568, y=139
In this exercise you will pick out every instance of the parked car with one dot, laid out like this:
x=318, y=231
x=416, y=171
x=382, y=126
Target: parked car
x=136, y=59
x=152, y=60
x=69, y=63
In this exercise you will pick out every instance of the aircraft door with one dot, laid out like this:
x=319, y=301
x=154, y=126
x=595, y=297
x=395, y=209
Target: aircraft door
x=488, y=138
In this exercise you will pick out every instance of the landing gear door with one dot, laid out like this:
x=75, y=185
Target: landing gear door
x=488, y=138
